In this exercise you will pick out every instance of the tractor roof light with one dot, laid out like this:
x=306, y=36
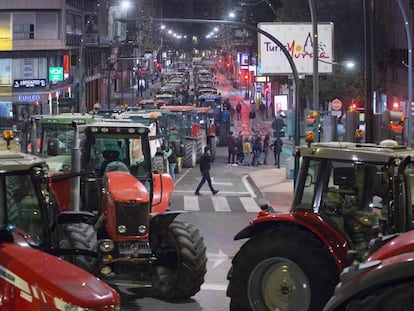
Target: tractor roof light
x=359, y=134
x=309, y=137
x=8, y=134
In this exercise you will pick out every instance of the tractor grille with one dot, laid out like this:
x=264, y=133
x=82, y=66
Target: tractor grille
x=132, y=216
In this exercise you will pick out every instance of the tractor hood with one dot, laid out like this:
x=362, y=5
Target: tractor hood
x=357, y=282
x=53, y=281
x=401, y=244
x=123, y=187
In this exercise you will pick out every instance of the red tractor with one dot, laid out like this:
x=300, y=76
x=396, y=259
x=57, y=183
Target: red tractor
x=31, y=279
x=136, y=239
x=346, y=194
x=383, y=282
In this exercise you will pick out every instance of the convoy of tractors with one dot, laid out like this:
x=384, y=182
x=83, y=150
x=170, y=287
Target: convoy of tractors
x=93, y=198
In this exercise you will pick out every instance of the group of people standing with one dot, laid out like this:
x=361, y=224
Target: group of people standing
x=247, y=151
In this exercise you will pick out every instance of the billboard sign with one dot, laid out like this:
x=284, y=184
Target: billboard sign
x=298, y=40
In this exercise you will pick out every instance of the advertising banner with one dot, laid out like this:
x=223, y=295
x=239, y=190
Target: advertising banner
x=298, y=40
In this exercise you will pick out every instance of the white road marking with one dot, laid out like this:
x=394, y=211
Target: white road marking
x=218, y=287
x=220, y=204
x=182, y=175
x=191, y=203
x=248, y=186
x=250, y=204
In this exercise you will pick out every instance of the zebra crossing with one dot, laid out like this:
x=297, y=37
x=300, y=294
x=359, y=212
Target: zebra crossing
x=218, y=203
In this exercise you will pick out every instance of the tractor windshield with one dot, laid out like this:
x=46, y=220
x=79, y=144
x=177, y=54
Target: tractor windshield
x=126, y=150
x=56, y=141
x=182, y=121
x=22, y=206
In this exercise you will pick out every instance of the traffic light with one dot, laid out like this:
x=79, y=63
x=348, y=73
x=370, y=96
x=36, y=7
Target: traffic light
x=353, y=106
x=396, y=106
x=266, y=90
x=246, y=77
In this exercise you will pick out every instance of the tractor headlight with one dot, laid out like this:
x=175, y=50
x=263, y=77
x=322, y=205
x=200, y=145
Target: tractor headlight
x=114, y=308
x=105, y=270
x=106, y=246
x=142, y=229
x=122, y=229
x=106, y=259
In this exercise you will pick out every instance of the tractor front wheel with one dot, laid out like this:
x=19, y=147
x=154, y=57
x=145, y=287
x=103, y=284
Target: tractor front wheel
x=284, y=268
x=179, y=272
x=80, y=236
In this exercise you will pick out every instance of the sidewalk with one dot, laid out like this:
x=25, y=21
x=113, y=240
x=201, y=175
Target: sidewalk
x=273, y=186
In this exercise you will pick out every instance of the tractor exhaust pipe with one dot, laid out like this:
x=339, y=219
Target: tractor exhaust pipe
x=75, y=164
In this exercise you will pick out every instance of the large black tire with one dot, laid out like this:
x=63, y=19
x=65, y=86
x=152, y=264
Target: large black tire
x=213, y=147
x=80, y=236
x=201, y=143
x=190, y=156
x=283, y=268
x=183, y=259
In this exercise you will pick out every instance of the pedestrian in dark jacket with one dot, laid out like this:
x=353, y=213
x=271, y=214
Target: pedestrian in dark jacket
x=266, y=145
x=238, y=110
x=232, y=148
x=239, y=147
x=205, y=160
x=277, y=149
x=257, y=150
x=172, y=161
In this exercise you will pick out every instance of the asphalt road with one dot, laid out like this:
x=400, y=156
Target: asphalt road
x=218, y=229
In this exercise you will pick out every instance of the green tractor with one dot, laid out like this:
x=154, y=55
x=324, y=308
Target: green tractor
x=55, y=137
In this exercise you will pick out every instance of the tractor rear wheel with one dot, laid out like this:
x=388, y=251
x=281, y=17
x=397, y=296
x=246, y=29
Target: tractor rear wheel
x=179, y=272
x=213, y=147
x=80, y=236
x=190, y=154
x=286, y=268
x=201, y=143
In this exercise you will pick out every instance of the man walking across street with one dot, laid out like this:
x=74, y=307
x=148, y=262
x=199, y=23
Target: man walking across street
x=205, y=160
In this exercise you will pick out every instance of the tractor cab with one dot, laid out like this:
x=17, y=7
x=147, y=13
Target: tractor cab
x=348, y=197
x=56, y=134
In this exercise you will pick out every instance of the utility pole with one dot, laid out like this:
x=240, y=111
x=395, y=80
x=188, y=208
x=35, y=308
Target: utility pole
x=368, y=13
x=408, y=109
x=315, y=75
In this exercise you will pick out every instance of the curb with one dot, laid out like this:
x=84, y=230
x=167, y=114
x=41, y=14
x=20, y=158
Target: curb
x=259, y=195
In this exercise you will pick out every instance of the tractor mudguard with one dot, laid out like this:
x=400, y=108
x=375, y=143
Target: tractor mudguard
x=163, y=189
x=328, y=235
x=374, y=278
x=401, y=244
x=76, y=217
x=160, y=223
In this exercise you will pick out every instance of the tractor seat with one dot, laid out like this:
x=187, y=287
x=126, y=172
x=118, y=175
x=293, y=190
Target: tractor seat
x=116, y=166
x=109, y=156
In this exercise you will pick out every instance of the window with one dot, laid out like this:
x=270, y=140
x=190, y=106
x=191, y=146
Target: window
x=23, y=31
x=23, y=206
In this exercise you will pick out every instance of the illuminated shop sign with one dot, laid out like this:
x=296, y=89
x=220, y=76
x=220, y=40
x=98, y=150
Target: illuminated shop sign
x=55, y=74
x=28, y=83
x=29, y=98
